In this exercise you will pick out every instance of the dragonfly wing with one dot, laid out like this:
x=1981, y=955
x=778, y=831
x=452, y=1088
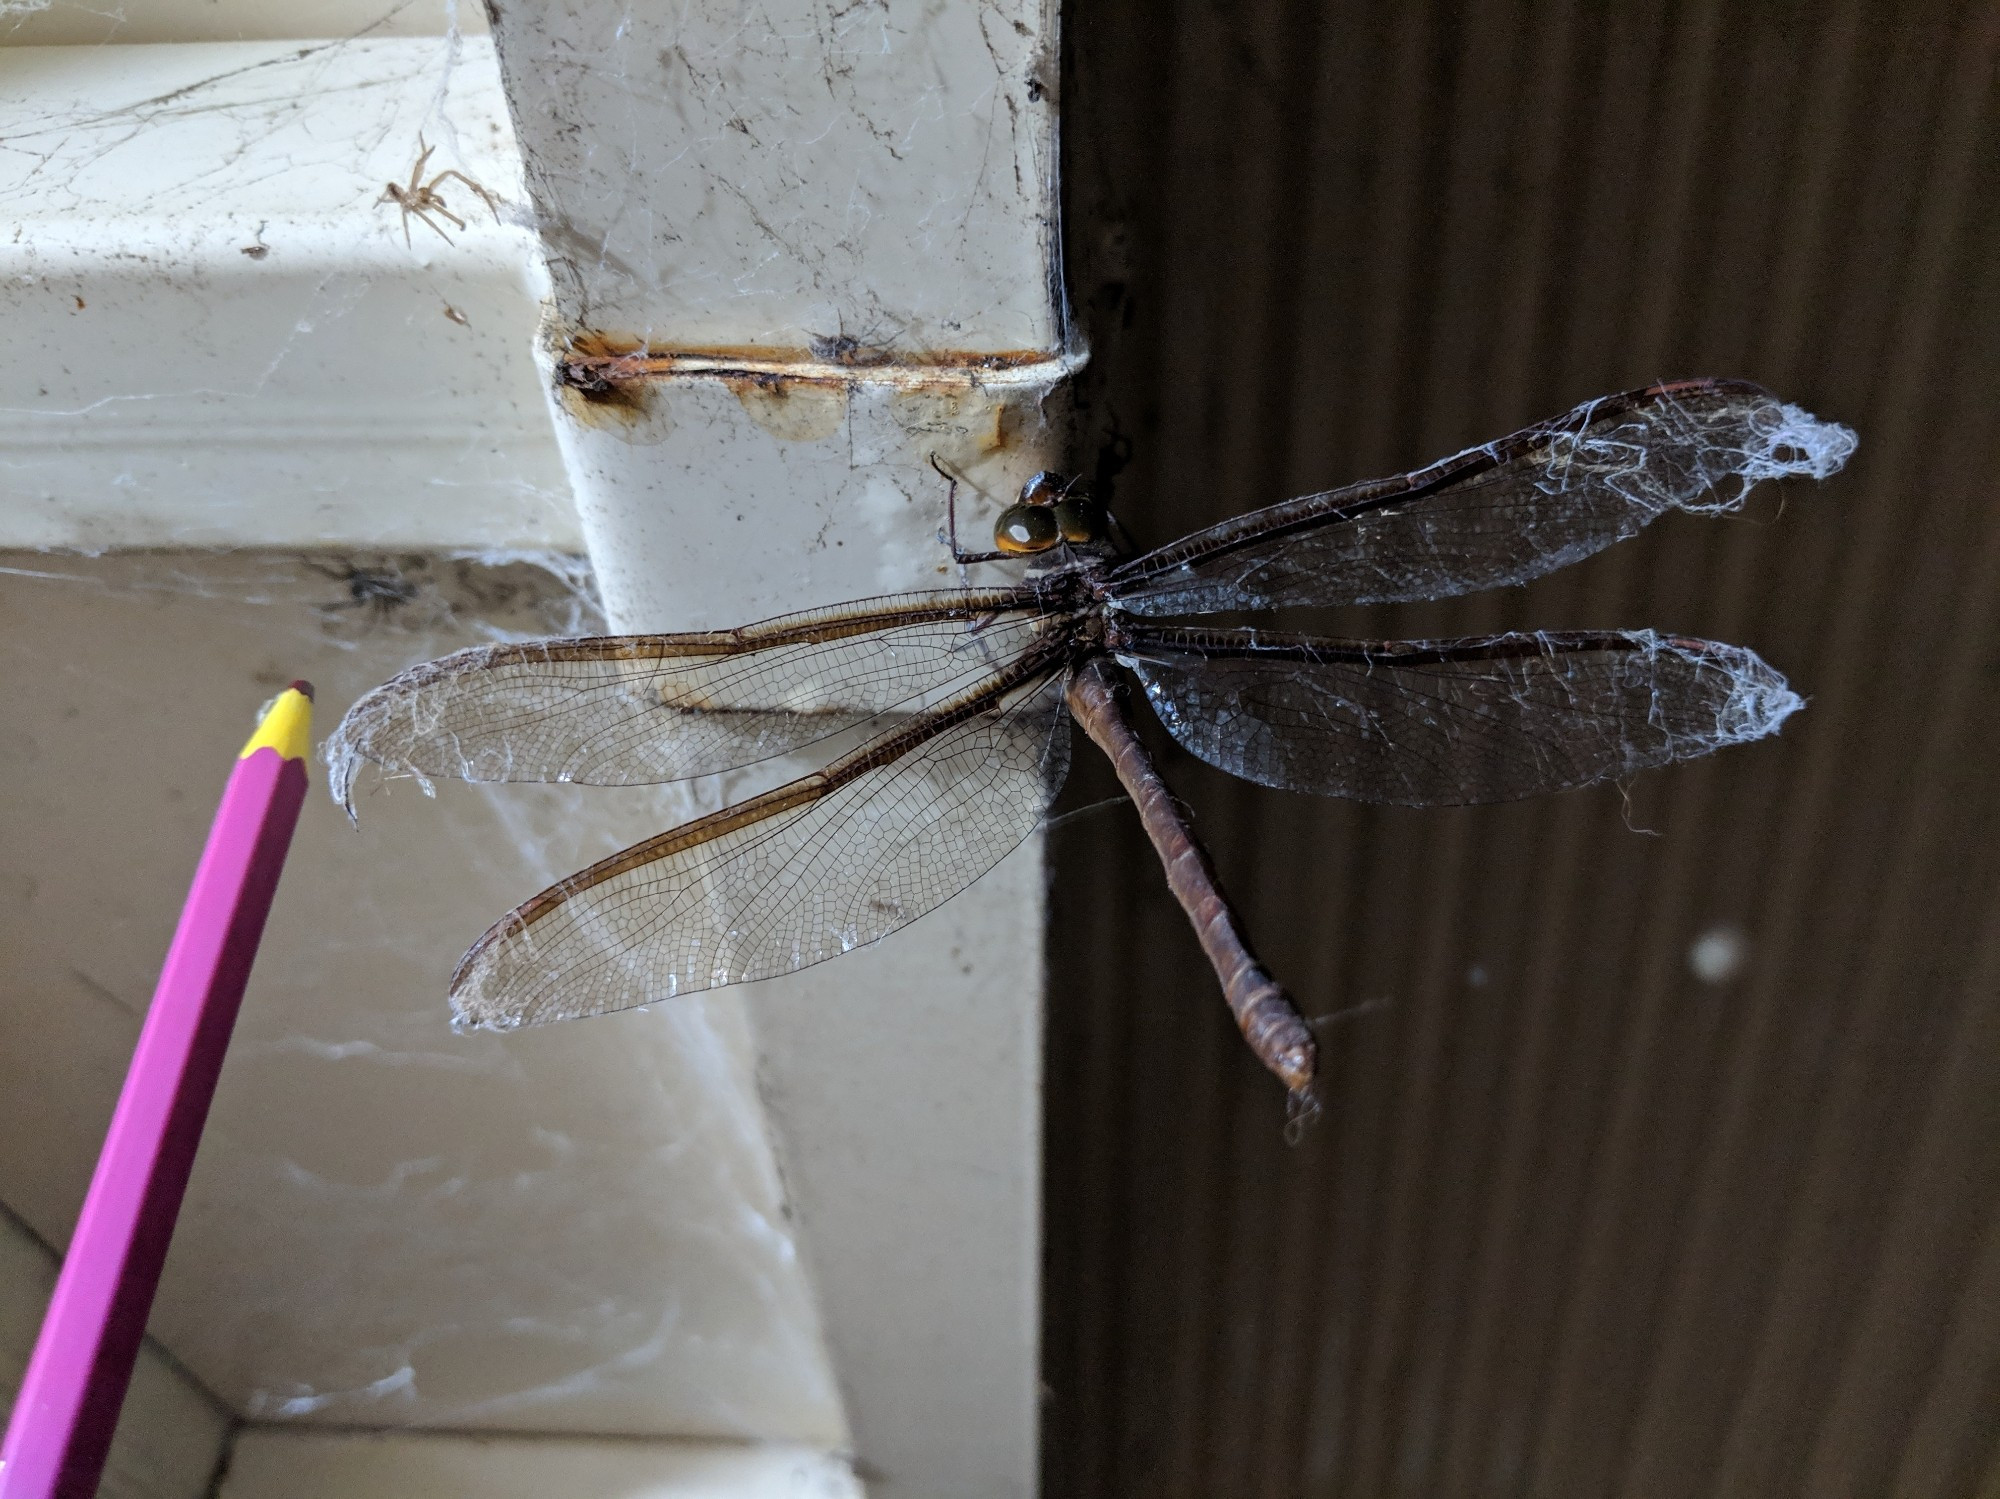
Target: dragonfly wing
x=1452, y=722
x=813, y=869
x=635, y=710
x=1500, y=514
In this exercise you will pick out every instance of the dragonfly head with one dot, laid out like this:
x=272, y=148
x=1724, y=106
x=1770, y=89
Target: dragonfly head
x=1052, y=509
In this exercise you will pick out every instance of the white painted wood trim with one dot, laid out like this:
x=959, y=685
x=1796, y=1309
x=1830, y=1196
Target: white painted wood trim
x=271, y=1463
x=824, y=243
x=260, y=411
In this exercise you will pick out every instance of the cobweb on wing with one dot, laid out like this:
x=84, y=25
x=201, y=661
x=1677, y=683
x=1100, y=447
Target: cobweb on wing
x=652, y=709
x=1499, y=514
x=1455, y=723
x=1675, y=455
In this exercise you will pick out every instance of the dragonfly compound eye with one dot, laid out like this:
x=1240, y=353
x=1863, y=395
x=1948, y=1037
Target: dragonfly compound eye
x=1080, y=518
x=1022, y=529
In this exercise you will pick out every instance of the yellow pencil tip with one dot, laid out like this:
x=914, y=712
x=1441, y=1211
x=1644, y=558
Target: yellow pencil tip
x=286, y=725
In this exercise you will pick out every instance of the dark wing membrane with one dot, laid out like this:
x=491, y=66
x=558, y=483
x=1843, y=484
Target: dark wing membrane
x=808, y=871
x=630, y=710
x=1494, y=515
x=1428, y=723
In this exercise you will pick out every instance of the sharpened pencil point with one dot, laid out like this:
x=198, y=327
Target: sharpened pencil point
x=286, y=725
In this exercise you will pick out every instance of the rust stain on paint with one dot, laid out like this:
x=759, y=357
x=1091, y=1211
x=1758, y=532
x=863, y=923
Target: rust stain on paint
x=633, y=410
x=598, y=362
x=972, y=404
x=804, y=410
x=970, y=423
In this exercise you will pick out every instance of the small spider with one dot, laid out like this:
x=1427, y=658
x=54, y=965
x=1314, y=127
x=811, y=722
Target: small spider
x=421, y=198
x=379, y=590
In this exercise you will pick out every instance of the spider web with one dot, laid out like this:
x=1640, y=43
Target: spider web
x=262, y=438
x=213, y=210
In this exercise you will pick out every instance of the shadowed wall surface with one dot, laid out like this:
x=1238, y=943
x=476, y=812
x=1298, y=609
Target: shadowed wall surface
x=1659, y=1146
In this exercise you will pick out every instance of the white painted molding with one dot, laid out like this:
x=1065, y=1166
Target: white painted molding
x=794, y=253
x=268, y=1463
x=579, y=1230
x=217, y=336
x=232, y=346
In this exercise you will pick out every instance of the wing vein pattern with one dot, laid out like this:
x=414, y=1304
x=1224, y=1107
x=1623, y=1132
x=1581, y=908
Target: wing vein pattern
x=812, y=869
x=1494, y=515
x=1425, y=723
x=630, y=710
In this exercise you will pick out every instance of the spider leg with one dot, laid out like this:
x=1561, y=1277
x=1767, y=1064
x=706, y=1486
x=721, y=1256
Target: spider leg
x=393, y=193
x=424, y=214
x=484, y=196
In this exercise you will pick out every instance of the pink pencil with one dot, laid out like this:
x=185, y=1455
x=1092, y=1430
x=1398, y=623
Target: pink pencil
x=62, y=1423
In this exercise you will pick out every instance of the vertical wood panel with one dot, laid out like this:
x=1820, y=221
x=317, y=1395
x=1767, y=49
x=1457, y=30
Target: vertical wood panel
x=1574, y=1222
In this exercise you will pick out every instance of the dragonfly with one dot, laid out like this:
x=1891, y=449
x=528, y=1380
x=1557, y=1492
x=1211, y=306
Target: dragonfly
x=940, y=720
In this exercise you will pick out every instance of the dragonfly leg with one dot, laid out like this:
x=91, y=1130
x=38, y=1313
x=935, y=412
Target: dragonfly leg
x=962, y=558
x=1270, y=1022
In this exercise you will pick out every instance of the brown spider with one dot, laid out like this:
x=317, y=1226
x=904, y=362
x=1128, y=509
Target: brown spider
x=378, y=588
x=421, y=198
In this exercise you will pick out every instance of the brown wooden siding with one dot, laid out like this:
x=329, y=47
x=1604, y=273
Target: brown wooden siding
x=1576, y=1222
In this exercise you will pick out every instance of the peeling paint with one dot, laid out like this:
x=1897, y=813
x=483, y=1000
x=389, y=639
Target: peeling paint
x=599, y=361
x=973, y=404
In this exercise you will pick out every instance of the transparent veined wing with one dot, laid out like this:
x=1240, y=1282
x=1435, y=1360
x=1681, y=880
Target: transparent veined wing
x=1499, y=514
x=815, y=868
x=644, y=709
x=1425, y=723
